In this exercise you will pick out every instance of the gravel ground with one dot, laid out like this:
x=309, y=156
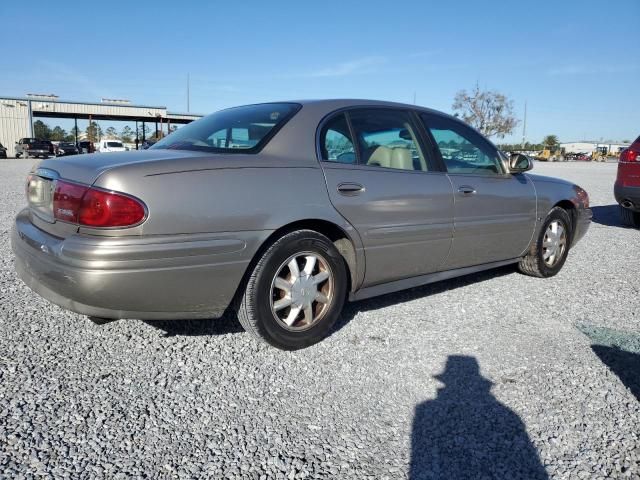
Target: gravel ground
x=488, y=376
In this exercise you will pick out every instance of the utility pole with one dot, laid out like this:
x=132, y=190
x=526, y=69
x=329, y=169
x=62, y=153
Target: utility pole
x=524, y=125
x=188, y=93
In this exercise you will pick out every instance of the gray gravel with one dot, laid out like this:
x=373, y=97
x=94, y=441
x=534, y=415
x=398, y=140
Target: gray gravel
x=520, y=391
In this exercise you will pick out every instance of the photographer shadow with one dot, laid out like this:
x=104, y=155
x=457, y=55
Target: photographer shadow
x=466, y=433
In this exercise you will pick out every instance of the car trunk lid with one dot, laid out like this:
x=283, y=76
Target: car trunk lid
x=87, y=168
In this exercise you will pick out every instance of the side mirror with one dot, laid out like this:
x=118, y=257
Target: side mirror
x=519, y=163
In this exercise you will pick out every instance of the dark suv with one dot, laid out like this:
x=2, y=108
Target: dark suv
x=627, y=186
x=86, y=147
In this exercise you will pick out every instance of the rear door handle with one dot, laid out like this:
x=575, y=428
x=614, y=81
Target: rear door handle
x=467, y=190
x=350, y=189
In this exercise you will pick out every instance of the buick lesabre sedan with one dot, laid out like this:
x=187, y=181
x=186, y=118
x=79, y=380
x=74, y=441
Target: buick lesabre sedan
x=282, y=211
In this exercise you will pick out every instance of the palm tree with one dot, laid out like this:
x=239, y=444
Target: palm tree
x=550, y=141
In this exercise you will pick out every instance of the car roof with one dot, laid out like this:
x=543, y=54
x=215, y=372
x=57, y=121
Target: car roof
x=330, y=104
x=338, y=103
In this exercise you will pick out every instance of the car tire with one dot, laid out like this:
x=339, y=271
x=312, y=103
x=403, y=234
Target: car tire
x=289, y=319
x=539, y=262
x=18, y=155
x=629, y=217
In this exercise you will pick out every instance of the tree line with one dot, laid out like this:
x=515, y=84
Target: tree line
x=92, y=133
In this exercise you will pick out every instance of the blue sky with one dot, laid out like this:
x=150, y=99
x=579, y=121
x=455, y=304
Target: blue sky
x=577, y=64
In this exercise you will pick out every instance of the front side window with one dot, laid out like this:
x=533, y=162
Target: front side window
x=387, y=139
x=114, y=144
x=336, y=143
x=239, y=129
x=462, y=149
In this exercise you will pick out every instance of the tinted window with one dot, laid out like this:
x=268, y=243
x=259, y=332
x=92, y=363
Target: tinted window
x=114, y=144
x=462, y=149
x=235, y=129
x=336, y=143
x=387, y=139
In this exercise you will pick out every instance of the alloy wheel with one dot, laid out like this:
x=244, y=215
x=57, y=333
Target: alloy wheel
x=302, y=291
x=554, y=243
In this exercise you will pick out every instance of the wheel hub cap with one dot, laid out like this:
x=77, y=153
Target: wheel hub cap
x=302, y=291
x=554, y=243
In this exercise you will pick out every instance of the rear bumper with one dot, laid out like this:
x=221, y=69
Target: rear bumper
x=583, y=221
x=627, y=194
x=163, y=277
x=37, y=151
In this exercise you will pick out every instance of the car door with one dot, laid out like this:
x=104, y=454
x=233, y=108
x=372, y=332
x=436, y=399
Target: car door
x=381, y=181
x=494, y=211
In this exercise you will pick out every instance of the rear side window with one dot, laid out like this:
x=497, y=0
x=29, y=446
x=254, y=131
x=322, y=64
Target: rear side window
x=462, y=149
x=336, y=142
x=241, y=129
x=114, y=144
x=387, y=139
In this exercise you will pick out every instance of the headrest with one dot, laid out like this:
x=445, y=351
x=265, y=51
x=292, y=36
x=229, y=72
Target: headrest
x=401, y=159
x=381, y=156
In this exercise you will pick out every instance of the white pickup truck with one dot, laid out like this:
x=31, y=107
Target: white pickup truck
x=110, y=146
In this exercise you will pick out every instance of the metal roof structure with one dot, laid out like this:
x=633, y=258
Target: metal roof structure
x=17, y=114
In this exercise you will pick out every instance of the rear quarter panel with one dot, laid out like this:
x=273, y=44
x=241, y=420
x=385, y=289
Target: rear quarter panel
x=224, y=199
x=246, y=200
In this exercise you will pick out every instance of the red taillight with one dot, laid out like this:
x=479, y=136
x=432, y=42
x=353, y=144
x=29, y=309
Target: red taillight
x=108, y=209
x=67, y=199
x=631, y=154
x=91, y=207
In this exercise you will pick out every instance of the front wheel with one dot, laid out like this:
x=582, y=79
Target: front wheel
x=295, y=292
x=629, y=217
x=550, y=250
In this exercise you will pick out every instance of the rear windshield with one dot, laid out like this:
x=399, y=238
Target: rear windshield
x=114, y=144
x=241, y=129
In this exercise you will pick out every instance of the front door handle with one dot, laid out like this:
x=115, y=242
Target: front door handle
x=467, y=190
x=350, y=189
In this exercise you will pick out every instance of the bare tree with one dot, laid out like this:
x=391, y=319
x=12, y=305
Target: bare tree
x=491, y=113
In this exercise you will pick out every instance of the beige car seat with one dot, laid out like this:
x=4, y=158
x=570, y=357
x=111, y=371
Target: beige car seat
x=401, y=159
x=381, y=157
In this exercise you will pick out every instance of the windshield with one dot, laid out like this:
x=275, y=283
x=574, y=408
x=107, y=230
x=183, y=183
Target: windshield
x=114, y=144
x=239, y=129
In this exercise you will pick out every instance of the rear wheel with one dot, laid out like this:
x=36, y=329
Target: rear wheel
x=629, y=217
x=295, y=292
x=549, y=252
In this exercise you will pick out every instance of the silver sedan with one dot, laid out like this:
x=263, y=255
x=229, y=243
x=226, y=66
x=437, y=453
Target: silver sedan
x=282, y=211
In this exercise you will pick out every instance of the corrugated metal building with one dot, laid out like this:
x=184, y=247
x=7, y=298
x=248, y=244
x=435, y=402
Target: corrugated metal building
x=590, y=147
x=17, y=115
x=14, y=122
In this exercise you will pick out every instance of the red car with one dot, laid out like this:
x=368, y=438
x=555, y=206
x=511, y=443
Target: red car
x=627, y=186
